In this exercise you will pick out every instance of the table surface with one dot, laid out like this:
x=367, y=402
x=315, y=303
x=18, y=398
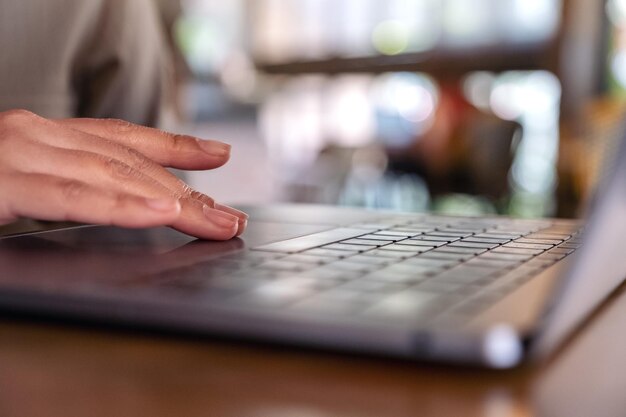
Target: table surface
x=54, y=369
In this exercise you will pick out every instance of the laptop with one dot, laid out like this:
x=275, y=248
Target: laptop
x=483, y=291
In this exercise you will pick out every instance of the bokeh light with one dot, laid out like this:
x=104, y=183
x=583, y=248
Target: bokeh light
x=391, y=37
x=405, y=105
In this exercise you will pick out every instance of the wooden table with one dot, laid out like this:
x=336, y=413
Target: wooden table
x=64, y=370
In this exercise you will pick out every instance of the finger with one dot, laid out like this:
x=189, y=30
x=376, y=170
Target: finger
x=243, y=217
x=167, y=149
x=56, y=135
x=205, y=222
x=108, y=173
x=88, y=167
x=47, y=197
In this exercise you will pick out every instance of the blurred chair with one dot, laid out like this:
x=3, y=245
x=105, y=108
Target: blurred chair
x=465, y=151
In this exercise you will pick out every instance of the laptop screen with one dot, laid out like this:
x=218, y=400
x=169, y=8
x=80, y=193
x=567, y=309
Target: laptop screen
x=600, y=266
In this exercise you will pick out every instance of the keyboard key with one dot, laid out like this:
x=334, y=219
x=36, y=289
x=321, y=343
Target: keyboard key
x=462, y=231
x=466, y=244
x=447, y=256
x=495, y=241
x=538, y=241
x=394, y=234
x=382, y=238
x=349, y=248
x=505, y=256
x=407, y=248
x=426, y=262
x=548, y=236
x=330, y=253
x=447, y=234
x=413, y=230
x=374, y=227
x=366, y=242
x=517, y=251
x=390, y=254
x=540, y=262
x=363, y=258
x=465, y=274
x=462, y=250
x=407, y=268
x=424, y=243
x=528, y=246
x=498, y=235
x=492, y=263
x=445, y=239
x=569, y=245
x=561, y=251
x=314, y=240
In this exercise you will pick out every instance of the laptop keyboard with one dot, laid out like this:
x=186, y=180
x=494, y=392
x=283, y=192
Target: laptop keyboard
x=398, y=269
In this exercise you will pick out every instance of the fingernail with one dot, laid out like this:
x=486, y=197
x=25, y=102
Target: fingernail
x=214, y=148
x=242, y=227
x=220, y=218
x=163, y=204
x=242, y=216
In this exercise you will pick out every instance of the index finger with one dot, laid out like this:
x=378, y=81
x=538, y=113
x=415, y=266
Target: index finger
x=167, y=149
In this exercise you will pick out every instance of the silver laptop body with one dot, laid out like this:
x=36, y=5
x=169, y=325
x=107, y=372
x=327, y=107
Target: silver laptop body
x=480, y=291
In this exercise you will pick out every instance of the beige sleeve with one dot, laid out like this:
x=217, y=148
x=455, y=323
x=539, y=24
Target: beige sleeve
x=86, y=58
x=123, y=71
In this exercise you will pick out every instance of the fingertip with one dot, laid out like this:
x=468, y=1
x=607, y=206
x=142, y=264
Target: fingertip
x=242, y=218
x=243, y=224
x=219, y=217
x=226, y=226
x=230, y=210
x=214, y=148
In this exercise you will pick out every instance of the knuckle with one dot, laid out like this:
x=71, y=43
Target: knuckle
x=12, y=123
x=16, y=116
x=122, y=126
x=119, y=169
x=197, y=195
x=177, y=142
x=185, y=190
x=117, y=201
x=138, y=160
x=72, y=189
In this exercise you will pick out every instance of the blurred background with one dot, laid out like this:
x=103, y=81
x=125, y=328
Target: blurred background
x=455, y=106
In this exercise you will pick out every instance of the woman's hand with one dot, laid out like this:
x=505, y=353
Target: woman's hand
x=108, y=172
